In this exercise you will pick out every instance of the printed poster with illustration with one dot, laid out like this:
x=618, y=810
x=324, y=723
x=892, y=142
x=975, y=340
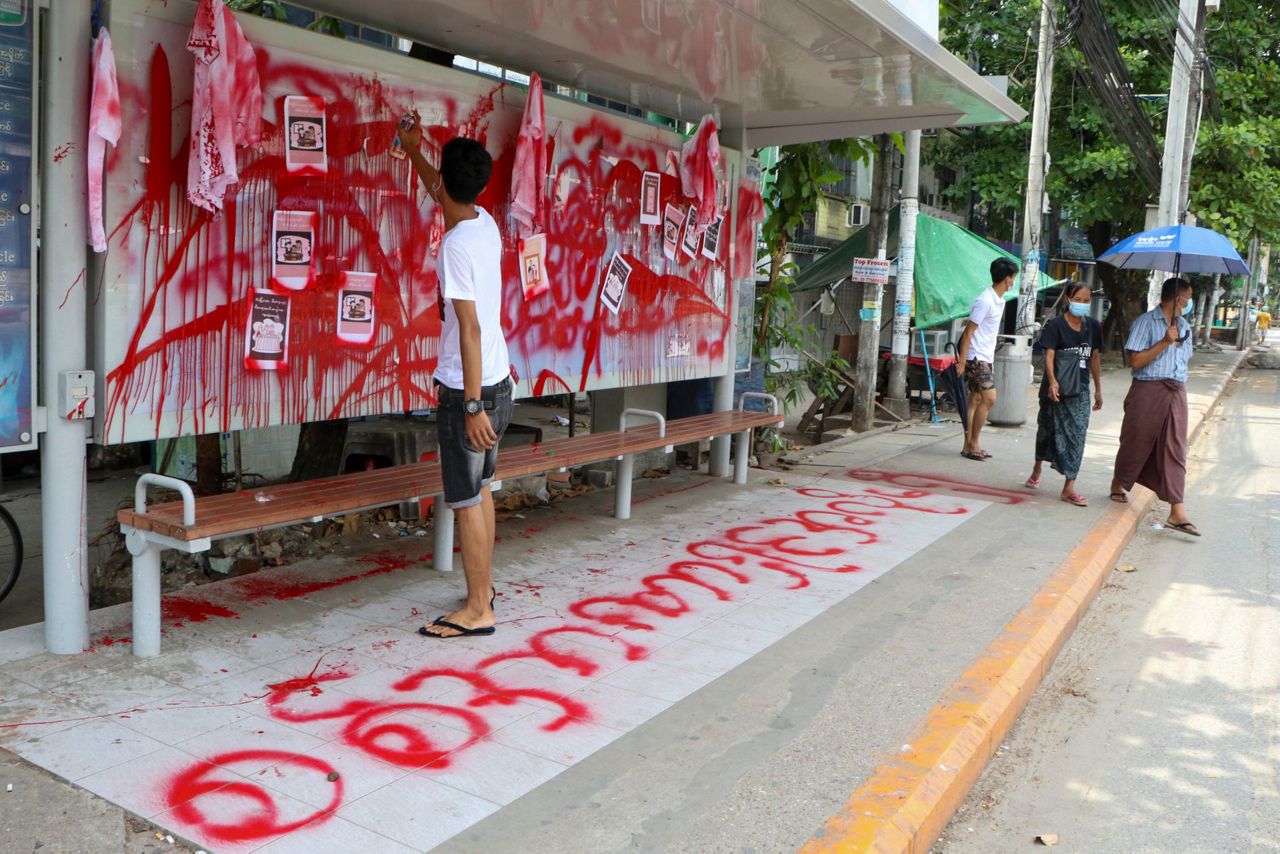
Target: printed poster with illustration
x=533, y=266
x=672, y=222
x=691, y=242
x=615, y=282
x=711, y=240
x=266, y=335
x=356, y=321
x=305, y=136
x=293, y=235
x=650, y=199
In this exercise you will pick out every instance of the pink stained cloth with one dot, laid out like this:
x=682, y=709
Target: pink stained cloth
x=750, y=215
x=226, y=108
x=529, y=173
x=699, y=166
x=105, y=127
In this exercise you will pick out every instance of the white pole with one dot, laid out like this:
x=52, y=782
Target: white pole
x=64, y=331
x=1167, y=212
x=723, y=400
x=1033, y=212
x=904, y=291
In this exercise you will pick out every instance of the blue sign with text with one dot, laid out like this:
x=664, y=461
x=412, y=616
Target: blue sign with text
x=17, y=314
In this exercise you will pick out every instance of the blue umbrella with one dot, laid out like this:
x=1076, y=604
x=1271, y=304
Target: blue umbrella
x=1178, y=248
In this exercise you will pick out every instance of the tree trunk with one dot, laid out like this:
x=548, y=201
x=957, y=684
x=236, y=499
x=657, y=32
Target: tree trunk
x=209, y=464
x=320, y=446
x=1126, y=289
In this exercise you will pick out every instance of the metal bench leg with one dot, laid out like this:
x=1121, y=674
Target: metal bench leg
x=622, y=493
x=146, y=598
x=443, y=557
x=741, y=455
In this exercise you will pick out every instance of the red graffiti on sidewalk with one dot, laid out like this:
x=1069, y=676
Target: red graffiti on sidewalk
x=409, y=725
x=915, y=484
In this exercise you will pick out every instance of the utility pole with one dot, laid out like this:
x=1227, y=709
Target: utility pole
x=1033, y=215
x=1168, y=211
x=864, y=389
x=1195, y=106
x=1242, y=325
x=896, y=400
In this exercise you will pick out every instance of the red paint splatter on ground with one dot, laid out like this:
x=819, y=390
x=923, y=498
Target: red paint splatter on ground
x=177, y=611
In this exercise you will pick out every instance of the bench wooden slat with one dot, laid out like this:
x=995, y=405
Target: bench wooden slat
x=240, y=512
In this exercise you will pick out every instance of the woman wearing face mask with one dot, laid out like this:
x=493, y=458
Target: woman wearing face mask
x=1072, y=343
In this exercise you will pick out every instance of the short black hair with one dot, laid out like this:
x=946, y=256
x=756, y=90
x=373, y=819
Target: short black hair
x=1172, y=287
x=465, y=168
x=1001, y=269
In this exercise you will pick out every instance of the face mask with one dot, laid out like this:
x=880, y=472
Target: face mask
x=1079, y=309
x=1188, y=308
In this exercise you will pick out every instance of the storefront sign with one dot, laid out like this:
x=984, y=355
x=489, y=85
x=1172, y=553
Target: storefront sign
x=872, y=270
x=17, y=296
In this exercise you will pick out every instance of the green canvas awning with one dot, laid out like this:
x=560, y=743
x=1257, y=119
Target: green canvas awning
x=952, y=267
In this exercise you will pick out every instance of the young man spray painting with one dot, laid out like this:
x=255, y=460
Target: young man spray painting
x=472, y=377
x=977, y=353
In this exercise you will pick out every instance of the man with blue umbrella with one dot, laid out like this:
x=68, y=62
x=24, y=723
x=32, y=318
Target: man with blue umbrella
x=1153, y=438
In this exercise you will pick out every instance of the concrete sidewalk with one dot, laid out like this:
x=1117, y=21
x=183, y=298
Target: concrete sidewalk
x=730, y=679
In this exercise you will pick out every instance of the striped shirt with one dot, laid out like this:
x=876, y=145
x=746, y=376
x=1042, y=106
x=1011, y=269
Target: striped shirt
x=1172, y=362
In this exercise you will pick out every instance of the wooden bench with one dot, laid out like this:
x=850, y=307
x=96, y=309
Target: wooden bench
x=192, y=524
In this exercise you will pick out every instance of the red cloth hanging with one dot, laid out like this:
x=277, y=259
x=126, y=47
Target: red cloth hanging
x=104, y=127
x=226, y=109
x=529, y=173
x=699, y=167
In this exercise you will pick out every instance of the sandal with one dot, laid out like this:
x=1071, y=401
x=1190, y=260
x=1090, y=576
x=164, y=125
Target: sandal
x=462, y=631
x=1119, y=498
x=985, y=455
x=1185, y=527
x=1077, y=499
x=972, y=455
x=1032, y=482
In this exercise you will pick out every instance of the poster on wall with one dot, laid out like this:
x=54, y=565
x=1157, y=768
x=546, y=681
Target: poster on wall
x=17, y=297
x=533, y=266
x=650, y=199
x=691, y=242
x=711, y=240
x=615, y=282
x=356, y=322
x=672, y=221
x=293, y=235
x=266, y=336
x=306, y=136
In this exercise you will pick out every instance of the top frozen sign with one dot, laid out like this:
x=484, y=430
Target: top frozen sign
x=923, y=13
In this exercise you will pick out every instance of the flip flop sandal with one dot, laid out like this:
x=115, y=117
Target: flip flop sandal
x=1119, y=498
x=1032, y=482
x=985, y=455
x=1185, y=527
x=970, y=455
x=1077, y=499
x=462, y=631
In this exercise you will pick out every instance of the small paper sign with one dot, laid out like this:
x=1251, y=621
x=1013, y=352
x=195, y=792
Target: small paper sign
x=711, y=240
x=293, y=235
x=872, y=270
x=533, y=266
x=615, y=282
x=672, y=222
x=306, y=136
x=691, y=242
x=266, y=336
x=356, y=322
x=650, y=199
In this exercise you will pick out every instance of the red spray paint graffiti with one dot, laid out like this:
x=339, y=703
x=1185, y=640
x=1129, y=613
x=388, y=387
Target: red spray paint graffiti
x=790, y=549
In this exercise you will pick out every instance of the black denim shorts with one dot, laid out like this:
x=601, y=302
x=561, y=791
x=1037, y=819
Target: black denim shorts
x=466, y=470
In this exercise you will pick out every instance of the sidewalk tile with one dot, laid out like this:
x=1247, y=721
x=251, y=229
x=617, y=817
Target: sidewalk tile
x=359, y=772
x=88, y=748
x=180, y=716
x=569, y=743
x=662, y=681
x=493, y=771
x=417, y=811
x=249, y=735
x=339, y=835
x=619, y=708
x=138, y=785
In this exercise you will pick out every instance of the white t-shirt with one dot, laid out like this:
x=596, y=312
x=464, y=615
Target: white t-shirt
x=987, y=310
x=470, y=268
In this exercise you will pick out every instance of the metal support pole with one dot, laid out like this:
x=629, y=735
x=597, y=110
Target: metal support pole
x=864, y=390
x=1243, y=341
x=1167, y=212
x=904, y=290
x=64, y=331
x=442, y=557
x=1037, y=166
x=146, y=597
x=623, y=473
x=741, y=456
x=718, y=464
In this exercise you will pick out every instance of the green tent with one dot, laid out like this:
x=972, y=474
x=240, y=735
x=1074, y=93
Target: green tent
x=952, y=267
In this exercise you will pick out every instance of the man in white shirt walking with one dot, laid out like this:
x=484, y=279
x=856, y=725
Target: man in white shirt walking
x=472, y=376
x=977, y=353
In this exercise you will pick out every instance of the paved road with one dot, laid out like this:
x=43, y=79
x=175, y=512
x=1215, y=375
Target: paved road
x=1159, y=727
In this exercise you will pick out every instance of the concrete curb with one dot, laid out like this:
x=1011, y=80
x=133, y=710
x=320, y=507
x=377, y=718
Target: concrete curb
x=908, y=800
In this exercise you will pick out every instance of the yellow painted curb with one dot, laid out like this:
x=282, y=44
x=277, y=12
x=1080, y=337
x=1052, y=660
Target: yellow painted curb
x=910, y=797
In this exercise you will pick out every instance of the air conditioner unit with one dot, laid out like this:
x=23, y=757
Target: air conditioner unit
x=934, y=339
x=857, y=215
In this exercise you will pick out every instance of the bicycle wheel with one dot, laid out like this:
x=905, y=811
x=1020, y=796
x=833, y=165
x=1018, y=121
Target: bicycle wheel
x=10, y=552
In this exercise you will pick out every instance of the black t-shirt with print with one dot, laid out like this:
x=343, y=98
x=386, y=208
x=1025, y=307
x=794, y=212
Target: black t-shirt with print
x=1070, y=348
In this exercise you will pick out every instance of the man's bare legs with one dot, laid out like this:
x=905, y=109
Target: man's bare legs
x=979, y=407
x=476, y=528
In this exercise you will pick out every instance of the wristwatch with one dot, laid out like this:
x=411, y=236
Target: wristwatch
x=473, y=407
